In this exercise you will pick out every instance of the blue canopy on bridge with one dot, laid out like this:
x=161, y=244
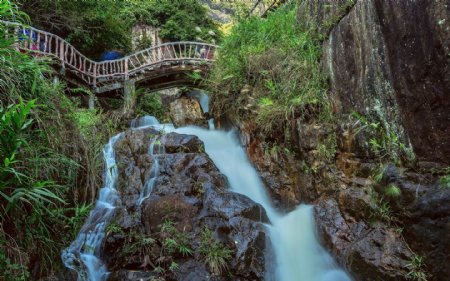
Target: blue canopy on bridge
x=111, y=55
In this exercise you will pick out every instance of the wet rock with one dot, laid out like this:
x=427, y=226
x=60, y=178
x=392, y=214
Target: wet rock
x=189, y=195
x=427, y=230
x=379, y=255
x=132, y=275
x=193, y=270
x=230, y=205
x=356, y=202
x=174, y=142
x=323, y=15
x=369, y=252
x=379, y=67
x=186, y=111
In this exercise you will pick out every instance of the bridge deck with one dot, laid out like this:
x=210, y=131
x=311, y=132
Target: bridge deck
x=108, y=75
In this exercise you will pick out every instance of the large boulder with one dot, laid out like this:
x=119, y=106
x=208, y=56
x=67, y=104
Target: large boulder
x=189, y=207
x=369, y=252
x=186, y=111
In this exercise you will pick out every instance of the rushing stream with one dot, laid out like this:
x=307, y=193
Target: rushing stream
x=83, y=255
x=298, y=255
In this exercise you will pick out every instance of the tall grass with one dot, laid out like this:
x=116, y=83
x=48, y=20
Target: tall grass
x=276, y=62
x=49, y=163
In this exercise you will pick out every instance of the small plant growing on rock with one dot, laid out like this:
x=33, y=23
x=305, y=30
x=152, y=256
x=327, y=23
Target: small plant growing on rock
x=215, y=253
x=416, y=271
x=113, y=228
x=173, y=266
x=383, y=142
x=175, y=241
x=445, y=181
x=393, y=191
x=378, y=173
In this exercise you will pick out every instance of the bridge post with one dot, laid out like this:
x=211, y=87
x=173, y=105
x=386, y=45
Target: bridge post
x=129, y=95
x=91, y=102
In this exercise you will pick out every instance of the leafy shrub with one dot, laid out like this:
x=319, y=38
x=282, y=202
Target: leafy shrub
x=41, y=151
x=151, y=104
x=269, y=66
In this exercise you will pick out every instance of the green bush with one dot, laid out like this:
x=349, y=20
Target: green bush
x=95, y=26
x=44, y=161
x=151, y=104
x=269, y=66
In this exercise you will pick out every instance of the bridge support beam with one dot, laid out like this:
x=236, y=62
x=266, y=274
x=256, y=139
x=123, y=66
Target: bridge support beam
x=91, y=102
x=129, y=96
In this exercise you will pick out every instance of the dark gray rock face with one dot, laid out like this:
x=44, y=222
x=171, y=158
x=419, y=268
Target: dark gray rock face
x=189, y=198
x=427, y=227
x=389, y=60
x=368, y=252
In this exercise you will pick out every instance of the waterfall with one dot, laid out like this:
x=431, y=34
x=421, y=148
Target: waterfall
x=202, y=98
x=154, y=170
x=144, y=121
x=83, y=255
x=298, y=254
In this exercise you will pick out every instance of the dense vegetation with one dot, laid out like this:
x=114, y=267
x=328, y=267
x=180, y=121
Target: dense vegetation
x=50, y=162
x=96, y=26
x=51, y=147
x=270, y=66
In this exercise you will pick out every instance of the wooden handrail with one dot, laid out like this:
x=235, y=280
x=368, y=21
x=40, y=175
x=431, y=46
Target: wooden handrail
x=93, y=73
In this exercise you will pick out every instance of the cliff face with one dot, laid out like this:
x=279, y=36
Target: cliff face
x=386, y=60
x=389, y=59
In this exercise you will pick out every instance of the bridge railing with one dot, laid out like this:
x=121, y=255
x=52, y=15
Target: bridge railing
x=38, y=42
x=27, y=38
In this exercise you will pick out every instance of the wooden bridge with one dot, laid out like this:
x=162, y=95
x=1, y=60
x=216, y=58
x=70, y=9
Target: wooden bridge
x=157, y=67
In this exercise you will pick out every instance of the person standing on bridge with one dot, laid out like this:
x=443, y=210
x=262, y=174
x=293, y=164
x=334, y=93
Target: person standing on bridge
x=203, y=52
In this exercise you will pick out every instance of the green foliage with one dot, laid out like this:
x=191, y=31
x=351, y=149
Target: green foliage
x=393, y=191
x=270, y=66
x=138, y=243
x=214, y=252
x=91, y=26
x=17, y=188
x=416, y=269
x=378, y=173
x=383, y=211
x=174, y=241
x=383, y=143
x=151, y=104
x=41, y=149
x=327, y=149
x=181, y=20
x=95, y=26
x=445, y=181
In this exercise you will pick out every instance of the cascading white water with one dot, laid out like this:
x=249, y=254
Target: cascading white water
x=154, y=170
x=202, y=98
x=83, y=255
x=144, y=121
x=298, y=254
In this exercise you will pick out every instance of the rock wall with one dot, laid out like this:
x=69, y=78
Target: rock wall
x=389, y=60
